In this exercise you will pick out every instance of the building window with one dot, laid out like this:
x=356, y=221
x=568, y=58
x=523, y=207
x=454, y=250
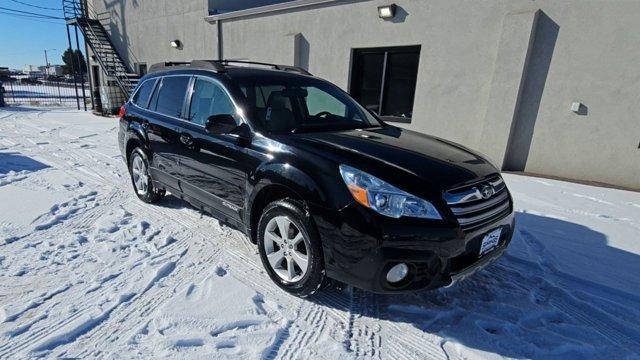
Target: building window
x=226, y=6
x=142, y=69
x=384, y=80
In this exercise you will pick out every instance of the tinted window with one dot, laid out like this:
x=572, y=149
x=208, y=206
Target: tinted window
x=284, y=104
x=319, y=102
x=208, y=99
x=170, y=98
x=141, y=98
x=384, y=80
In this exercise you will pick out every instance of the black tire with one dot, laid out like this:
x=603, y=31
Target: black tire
x=152, y=194
x=314, y=277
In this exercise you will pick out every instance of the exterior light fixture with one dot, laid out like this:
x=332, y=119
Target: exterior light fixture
x=387, y=12
x=176, y=44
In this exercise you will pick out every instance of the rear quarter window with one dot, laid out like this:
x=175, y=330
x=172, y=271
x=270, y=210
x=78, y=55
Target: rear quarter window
x=141, y=97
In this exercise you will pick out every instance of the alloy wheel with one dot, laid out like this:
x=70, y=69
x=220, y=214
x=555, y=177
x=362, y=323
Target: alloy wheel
x=286, y=249
x=140, y=175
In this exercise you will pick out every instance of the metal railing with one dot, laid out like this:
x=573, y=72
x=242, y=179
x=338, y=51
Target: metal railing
x=79, y=14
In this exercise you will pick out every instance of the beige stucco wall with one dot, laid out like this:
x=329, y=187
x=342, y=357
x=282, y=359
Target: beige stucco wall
x=490, y=71
x=143, y=29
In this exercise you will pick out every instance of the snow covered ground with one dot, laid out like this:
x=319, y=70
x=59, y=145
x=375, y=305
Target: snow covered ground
x=87, y=270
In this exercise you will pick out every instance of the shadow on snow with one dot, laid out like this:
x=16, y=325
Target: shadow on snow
x=15, y=162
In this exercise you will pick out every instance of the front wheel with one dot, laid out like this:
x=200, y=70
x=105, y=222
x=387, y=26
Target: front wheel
x=290, y=248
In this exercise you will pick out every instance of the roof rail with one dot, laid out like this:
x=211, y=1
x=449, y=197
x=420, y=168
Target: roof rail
x=205, y=64
x=219, y=65
x=209, y=64
x=163, y=65
x=275, y=66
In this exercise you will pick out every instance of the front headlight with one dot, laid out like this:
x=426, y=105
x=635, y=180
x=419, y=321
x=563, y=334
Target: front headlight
x=384, y=198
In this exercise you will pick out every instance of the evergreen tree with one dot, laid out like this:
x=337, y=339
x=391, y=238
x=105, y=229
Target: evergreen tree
x=71, y=58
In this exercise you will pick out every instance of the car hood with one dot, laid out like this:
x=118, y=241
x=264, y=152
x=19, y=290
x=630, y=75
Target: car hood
x=393, y=154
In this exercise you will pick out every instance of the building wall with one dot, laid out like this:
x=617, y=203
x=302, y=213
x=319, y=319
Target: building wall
x=497, y=76
x=142, y=30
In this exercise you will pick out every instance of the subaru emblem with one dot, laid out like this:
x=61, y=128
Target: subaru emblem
x=487, y=191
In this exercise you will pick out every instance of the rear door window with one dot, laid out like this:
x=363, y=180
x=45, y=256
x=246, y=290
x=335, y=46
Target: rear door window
x=170, y=98
x=141, y=98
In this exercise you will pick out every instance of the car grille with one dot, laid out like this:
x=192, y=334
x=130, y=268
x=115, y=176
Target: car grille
x=479, y=204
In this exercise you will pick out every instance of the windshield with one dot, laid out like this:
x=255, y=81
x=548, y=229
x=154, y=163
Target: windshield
x=286, y=104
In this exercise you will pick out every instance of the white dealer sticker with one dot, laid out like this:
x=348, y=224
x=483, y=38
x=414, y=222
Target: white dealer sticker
x=490, y=241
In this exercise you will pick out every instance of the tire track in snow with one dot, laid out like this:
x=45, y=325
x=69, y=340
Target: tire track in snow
x=88, y=303
x=205, y=254
x=359, y=308
x=407, y=342
x=127, y=321
x=75, y=329
x=34, y=304
x=45, y=330
x=308, y=327
x=363, y=328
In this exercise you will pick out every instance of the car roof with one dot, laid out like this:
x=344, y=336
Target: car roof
x=234, y=73
x=223, y=66
x=244, y=72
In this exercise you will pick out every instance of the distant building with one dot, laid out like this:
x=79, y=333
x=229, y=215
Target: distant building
x=4, y=74
x=35, y=74
x=53, y=70
x=30, y=68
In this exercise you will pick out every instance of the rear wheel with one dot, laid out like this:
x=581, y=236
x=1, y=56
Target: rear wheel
x=140, y=178
x=290, y=248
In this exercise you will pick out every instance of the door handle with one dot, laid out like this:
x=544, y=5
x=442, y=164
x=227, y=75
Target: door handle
x=187, y=140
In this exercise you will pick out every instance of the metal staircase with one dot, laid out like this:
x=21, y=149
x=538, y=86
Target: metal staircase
x=77, y=13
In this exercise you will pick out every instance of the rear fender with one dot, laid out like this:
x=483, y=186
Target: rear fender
x=136, y=137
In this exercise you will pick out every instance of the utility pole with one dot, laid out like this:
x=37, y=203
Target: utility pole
x=73, y=67
x=46, y=61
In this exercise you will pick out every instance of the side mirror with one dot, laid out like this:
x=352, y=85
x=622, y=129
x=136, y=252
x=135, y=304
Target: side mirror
x=220, y=124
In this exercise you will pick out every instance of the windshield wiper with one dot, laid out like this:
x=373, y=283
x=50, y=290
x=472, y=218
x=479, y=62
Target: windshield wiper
x=329, y=127
x=306, y=128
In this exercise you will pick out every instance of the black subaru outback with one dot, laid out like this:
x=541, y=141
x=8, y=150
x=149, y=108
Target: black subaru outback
x=324, y=187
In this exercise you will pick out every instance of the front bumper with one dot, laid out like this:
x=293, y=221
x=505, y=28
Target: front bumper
x=360, y=247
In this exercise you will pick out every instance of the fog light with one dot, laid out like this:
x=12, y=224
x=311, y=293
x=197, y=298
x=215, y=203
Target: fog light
x=397, y=273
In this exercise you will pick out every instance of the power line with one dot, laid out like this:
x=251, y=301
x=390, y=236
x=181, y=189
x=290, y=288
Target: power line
x=31, y=14
x=31, y=18
x=35, y=6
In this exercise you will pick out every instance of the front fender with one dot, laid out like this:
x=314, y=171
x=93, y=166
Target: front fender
x=284, y=174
